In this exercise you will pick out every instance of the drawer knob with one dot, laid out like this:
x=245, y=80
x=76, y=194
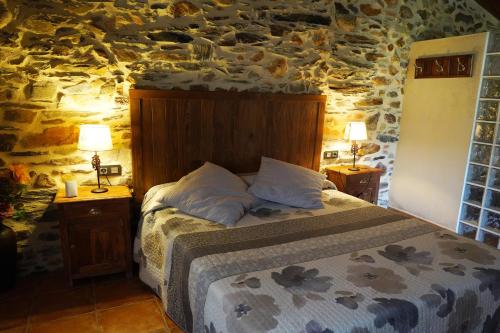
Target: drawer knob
x=94, y=211
x=363, y=181
x=72, y=246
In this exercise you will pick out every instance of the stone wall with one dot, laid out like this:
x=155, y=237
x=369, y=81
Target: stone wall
x=69, y=62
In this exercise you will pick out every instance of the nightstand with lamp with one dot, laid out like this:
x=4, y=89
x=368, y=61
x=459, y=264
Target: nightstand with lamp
x=95, y=225
x=359, y=181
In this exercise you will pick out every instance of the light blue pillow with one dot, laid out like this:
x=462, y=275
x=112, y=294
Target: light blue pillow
x=288, y=184
x=212, y=193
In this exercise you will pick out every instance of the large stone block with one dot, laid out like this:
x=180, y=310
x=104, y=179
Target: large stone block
x=369, y=102
x=5, y=15
x=8, y=39
x=306, y=18
x=170, y=36
x=52, y=136
x=346, y=22
x=278, y=68
x=44, y=181
x=249, y=38
x=183, y=8
x=126, y=54
x=44, y=91
x=19, y=116
x=370, y=9
x=61, y=161
x=368, y=148
x=7, y=142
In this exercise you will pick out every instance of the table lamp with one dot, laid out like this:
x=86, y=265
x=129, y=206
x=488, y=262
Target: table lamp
x=355, y=131
x=95, y=138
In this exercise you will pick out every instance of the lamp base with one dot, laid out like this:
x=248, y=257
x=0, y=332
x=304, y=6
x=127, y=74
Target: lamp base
x=354, y=169
x=99, y=190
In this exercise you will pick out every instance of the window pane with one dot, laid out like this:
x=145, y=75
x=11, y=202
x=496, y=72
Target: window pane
x=491, y=88
x=470, y=214
x=487, y=110
x=481, y=154
x=484, y=132
x=477, y=174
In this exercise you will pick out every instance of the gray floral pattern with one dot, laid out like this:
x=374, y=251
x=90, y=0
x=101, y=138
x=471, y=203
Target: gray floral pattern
x=265, y=213
x=360, y=330
x=455, y=269
x=302, y=212
x=402, y=315
x=467, y=314
x=443, y=299
x=153, y=250
x=350, y=300
x=362, y=258
x=492, y=322
x=245, y=310
x=490, y=279
x=467, y=250
x=445, y=235
x=183, y=225
x=378, y=278
x=372, y=286
x=302, y=284
x=314, y=327
x=298, y=278
x=408, y=256
x=242, y=281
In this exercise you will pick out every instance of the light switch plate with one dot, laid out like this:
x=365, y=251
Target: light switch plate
x=330, y=154
x=111, y=170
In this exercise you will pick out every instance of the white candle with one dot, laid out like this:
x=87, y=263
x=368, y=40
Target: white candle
x=71, y=189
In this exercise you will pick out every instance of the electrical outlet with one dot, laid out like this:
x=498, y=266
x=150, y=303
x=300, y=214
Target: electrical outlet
x=111, y=170
x=330, y=154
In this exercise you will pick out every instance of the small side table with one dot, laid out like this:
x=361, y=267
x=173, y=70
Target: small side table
x=95, y=232
x=363, y=184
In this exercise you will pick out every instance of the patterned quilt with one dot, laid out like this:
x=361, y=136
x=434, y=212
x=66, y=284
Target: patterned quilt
x=351, y=267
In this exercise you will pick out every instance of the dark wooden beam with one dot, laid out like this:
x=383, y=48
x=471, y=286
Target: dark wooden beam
x=493, y=6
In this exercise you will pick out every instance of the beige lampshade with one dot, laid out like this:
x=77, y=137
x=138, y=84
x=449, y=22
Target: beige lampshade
x=95, y=138
x=355, y=130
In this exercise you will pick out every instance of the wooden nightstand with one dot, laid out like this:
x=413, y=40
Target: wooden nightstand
x=363, y=184
x=95, y=232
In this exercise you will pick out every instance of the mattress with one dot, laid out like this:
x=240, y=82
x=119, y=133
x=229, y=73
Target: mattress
x=350, y=267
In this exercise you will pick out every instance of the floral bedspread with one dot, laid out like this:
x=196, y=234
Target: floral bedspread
x=350, y=267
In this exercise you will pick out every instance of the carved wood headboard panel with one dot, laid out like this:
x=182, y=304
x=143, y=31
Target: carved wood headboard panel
x=174, y=132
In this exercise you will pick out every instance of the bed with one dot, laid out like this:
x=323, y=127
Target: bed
x=349, y=267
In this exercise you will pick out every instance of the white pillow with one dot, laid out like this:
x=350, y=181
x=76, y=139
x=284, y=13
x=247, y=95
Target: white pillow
x=288, y=184
x=210, y=192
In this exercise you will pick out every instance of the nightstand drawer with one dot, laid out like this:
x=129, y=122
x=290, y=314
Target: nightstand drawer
x=362, y=183
x=363, y=180
x=96, y=208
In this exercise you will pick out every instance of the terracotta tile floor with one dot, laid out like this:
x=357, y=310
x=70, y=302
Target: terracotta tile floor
x=112, y=304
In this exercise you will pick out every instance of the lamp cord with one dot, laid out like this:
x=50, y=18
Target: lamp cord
x=108, y=180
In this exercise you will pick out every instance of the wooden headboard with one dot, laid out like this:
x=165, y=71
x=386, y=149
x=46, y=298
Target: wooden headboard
x=174, y=132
